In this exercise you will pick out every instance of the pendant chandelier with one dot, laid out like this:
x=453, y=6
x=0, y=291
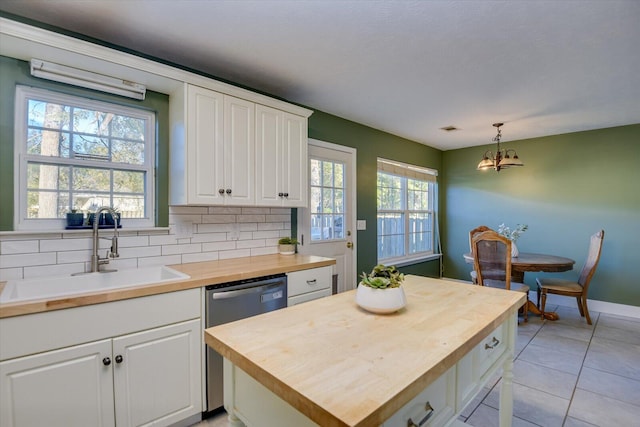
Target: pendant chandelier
x=504, y=158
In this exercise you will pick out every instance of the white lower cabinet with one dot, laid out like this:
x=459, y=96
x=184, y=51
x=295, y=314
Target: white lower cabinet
x=61, y=388
x=148, y=377
x=307, y=285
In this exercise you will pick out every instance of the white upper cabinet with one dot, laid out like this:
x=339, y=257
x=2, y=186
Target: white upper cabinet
x=281, y=158
x=230, y=151
x=212, y=155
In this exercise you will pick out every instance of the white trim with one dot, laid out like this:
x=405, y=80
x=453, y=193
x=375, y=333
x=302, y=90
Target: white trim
x=22, y=41
x=592, y=305
x=21, y=158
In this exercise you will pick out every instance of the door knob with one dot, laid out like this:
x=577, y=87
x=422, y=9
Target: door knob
x=350, y=245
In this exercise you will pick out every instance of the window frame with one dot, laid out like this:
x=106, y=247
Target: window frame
x=406, y=172
x=21, y=158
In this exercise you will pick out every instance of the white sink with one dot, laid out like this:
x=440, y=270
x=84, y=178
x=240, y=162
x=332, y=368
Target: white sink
x=49, y=287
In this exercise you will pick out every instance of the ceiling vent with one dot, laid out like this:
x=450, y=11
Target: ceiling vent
x=450, y=128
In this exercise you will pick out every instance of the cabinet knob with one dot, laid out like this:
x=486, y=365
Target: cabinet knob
x=280, y=194
x=119, y=359
x=221, y=191
x=286, y=194
x=228, y=191
x=106, y=361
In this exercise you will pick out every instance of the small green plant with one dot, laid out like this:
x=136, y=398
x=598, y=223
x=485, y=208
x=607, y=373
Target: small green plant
x=288, y=241
x=382, y=277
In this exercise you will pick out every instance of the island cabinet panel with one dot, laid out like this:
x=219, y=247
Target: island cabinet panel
x=339, y=365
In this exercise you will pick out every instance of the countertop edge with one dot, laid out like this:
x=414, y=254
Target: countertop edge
x=245, y=268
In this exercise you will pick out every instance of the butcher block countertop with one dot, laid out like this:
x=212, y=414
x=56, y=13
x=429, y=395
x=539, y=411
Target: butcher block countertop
x=201, y=274
x=340, y=365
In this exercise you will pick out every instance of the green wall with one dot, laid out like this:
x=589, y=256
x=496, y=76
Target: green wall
x=571, y=186
x=371, y=144
x=16, y=72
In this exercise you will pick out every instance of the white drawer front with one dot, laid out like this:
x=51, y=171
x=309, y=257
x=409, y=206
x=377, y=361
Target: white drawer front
x=440, y=396
x=489, y=350
x=315, y=279
x=299, y=299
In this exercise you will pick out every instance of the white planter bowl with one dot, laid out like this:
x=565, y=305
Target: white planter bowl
x=381, y=301
x=286, y=249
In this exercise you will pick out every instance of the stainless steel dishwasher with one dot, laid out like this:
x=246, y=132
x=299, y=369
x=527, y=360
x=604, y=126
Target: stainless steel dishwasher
x=232, y=301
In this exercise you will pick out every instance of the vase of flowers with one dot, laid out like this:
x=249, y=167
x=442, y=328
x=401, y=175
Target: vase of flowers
x=381, y=290
x=513, y=235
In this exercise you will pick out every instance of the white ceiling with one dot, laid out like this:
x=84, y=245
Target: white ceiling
x=409, y=67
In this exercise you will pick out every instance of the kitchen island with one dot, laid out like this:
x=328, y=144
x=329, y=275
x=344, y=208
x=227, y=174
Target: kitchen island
x=330, y=363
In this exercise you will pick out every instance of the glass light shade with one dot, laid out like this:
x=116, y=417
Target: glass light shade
x=510, y=161
x=486, y=164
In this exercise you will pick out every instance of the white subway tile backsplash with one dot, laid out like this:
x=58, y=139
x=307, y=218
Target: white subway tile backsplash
x=218, y=246
x=181, y=249
x=219, y=232
x=66, y=244
x=224, y=210
x=219, y=219
x=251, y=218
x=21, y=260
x=19, y=246
x=199, y=257
x=160, y=260
x=234, y=254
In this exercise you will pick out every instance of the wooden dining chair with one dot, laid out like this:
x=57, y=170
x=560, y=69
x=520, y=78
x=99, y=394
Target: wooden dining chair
x=472, y=233
x=570, y=288
x=492, y=263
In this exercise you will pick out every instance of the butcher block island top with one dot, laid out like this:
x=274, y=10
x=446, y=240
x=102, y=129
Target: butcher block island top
x=342, y=366
x=200, y=274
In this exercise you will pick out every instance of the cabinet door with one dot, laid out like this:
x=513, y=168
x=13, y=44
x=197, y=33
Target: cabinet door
x=294, y=161
x=268, y=156
x=205, y=156
x=62, y=388
x=239, y=151
x=158, y=380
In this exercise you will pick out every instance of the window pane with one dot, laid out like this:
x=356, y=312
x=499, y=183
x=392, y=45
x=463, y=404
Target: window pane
x=47, y=115
x=129, y=206
x=339, y=175
x=128, y=182
x=390, y=195
x=91, y=179
x=127, y=152
x=338, y=230
x=316, y=199
x=390, y=246
x=419, y=232
x=128, y=128
x=91, y=147
x=327, y=174
x=338, y=200
x=47, y=204
x=327, y=200
x=315, y=172
x=91, y=121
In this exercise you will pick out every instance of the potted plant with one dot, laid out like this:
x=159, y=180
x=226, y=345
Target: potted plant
x=381, y=290
x=512, y=235
x=75, y=218
x=287, y=245
x=106, y=219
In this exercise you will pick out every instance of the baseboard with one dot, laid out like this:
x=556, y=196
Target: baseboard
x=593, y=305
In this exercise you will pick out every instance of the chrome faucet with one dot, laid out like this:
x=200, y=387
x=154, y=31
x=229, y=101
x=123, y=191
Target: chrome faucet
x=96, y=261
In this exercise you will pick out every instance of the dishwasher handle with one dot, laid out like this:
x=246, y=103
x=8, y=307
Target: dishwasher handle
x=239, y=292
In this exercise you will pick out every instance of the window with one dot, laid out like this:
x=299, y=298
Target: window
x=78, y=154
x=406, y=212
x=327, y=200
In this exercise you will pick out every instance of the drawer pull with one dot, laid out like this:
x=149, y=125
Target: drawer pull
x=429, y=409
x=311, y=282
x=494, y=342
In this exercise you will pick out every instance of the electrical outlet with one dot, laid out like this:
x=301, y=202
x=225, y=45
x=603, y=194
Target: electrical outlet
x=234, y=234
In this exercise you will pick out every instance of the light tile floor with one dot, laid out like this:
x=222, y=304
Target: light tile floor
x=566, y=374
